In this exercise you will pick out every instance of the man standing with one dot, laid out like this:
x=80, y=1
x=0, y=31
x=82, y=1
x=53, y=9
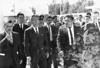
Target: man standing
x=20, y=28
x=6, y=47
x=66, y=37
x=35, y=44
x=43, y=31
x=52, y=30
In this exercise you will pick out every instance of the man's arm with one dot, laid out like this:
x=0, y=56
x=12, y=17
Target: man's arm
x=59, y=36
x=27, y=43
x=16, y=43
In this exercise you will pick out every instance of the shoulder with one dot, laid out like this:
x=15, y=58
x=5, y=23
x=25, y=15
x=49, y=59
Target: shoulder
x=26, y=25
x=15, y=32
x=28, y=29
x=16, y=24
x=62, y=27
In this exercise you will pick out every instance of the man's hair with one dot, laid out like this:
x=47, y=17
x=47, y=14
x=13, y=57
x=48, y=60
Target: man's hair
x=80, y=15
x=67, y=16
x=10, y=21
x=88, y=14
x=41, y=17
x=71, y=17
x=54, y=17
x=20, y=14
x=96, y=12
x=49, y=17
x=34, y=16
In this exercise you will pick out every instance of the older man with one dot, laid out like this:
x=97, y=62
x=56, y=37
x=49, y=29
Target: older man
x=6, y=47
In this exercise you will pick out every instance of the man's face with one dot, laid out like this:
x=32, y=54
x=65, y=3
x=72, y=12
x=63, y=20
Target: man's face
x=41, y=22
x=21, y=19
x=8, y=27
x=55, y=19
x=61, y=19
x=68, y=22
x=87, y=18
x=80, y=17
x=34, y=21
x=49, y=20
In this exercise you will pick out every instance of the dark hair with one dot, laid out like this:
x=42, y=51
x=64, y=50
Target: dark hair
x=49, y=17
x=10, y=21
x=80, y=15
x=71, y=17
x=20, y=14
x=88, y=14
x=34, y=16
x=68, y=16
x=41, y=17
x=96, y=12
x=54, y=17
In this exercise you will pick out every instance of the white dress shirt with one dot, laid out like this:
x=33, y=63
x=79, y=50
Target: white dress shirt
x=36, y=29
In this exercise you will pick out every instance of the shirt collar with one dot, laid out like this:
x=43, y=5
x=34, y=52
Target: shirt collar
x=34, y=27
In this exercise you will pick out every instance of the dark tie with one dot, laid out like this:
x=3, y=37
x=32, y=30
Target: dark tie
x=71, y=35
x=36, y=30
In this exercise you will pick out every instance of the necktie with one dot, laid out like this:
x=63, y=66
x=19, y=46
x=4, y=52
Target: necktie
x=36, y=29
x=71, y=35
x=21, y=26
x=50, y=31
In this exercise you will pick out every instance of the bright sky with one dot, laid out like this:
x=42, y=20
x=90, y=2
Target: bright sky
x=25, y=5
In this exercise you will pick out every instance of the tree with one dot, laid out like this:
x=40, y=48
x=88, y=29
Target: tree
x=66, y=8
x=54, y=9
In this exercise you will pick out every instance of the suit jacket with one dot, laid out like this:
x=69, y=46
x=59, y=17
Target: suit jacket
x=16, y=43
x=53, y=43
x=5, y=48
x=35, y=42
x=18, y=29
x=63, y=38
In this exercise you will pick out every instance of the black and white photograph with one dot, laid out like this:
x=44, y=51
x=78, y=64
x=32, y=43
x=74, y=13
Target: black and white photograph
x=49, y=34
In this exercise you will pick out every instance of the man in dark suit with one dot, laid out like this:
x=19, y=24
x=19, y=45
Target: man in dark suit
x=20, y=27
x=52, y=34
x=45, y=46
x=35, y=44
x=66, y=37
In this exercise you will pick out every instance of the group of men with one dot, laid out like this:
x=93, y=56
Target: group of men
x=38, y=44
x=34, y=44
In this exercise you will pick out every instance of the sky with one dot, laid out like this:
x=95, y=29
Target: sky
x=24, y=6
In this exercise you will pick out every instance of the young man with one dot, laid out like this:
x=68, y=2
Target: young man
x=36, y=43
x=52, y=35
x=66, y=37
x=20, y=27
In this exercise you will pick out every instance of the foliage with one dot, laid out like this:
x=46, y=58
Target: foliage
x=65, y=8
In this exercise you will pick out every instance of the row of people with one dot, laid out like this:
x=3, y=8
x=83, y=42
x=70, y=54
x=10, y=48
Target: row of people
x=40, y=42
